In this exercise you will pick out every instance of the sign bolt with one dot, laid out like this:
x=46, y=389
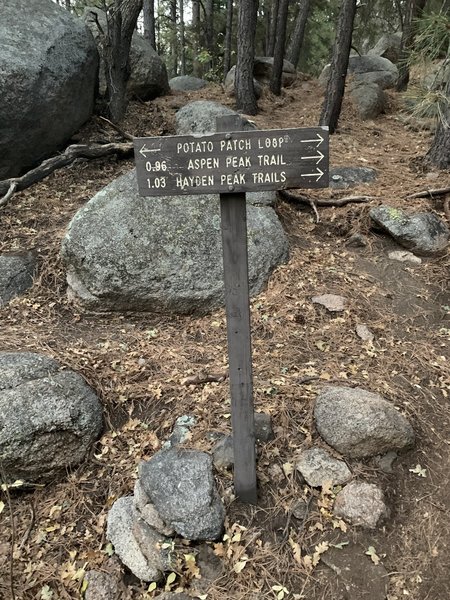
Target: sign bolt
x=231, y=188
x=228, y=136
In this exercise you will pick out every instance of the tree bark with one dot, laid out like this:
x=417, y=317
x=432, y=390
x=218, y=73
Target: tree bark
x=298, y=34
x=439, y=152
x=331, y=108
x=182, y=39
x=278, y=56
x=148, y=9
x=173, y=38
x=244, y=88
x=121, y=18
x=228, y=38
x=413, y=10
x=273, y=27
x=196, y=66
x=209, y=31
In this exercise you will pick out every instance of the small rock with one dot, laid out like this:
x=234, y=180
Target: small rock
x=173, y=596
x=422, y=233
x=331, y=302
x=263, y=427
x=360, y=504
x=368, y=98
x=120, y=533
x=300, y=509
x=151, y=544
x=16, y=274
x=363, y=332
x=356, y=240
x=148, y=512
x=345, y=177
x=405, y=256
x=186, y=83
x=223, y=453
x=211, y=568
x=180, y=484
x=276, y=472
x=102, y=586
x=358, y=423
x=181, y=432
x=386, y=462
x=318, y=468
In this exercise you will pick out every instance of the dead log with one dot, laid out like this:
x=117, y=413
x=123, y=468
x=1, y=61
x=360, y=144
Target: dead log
x=430, y=193
x=9, y=187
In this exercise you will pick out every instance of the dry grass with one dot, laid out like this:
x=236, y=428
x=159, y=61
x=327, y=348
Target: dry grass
x=137, y=364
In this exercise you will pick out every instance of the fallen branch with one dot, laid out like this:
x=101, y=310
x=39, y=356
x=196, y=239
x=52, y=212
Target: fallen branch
x=8, y=187
x=430, y=193
x=124, y=134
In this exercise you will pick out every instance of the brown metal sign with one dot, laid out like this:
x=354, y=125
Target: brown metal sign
x=240, y=161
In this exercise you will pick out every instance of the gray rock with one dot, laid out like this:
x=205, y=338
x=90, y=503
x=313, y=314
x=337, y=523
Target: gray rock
x=357, y=240
x=200, y=117
x=405, y=256
x=49, y=418
x=181, y=431
x=48, y=71
x=354, y=576
x=360, y=504
x=145, y=510
x=148, y=77
x=173, y=596
x=152, y=545
x=345, y=177
x=180, y=484
x=16, y=274
x=318, y=468
x=364, y=333
x=263, y=68
x=437, y=75
x=386, y=462
x=186, y=83
x=102, y=586
x=223, y=453
x=300, y=509
x=229, y=83
x=388, y=46
x=211, y=569
x=368, y=98
x=332, y=302
x=125, y=252
x=120, y=533
x=359, y=424
x=422, y=233
x=367, y=69
x=263, y=427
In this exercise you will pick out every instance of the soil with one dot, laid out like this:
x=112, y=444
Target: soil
x=138, y=363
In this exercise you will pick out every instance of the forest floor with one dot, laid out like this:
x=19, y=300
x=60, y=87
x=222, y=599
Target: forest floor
x=138, y=364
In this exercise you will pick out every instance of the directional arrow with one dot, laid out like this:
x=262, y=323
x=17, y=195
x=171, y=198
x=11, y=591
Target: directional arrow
x=144, y=150
x=318, y=140
x=318, y=174
x=319, y=157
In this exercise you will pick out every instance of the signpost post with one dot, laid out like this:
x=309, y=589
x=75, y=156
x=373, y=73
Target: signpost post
x=232, y=162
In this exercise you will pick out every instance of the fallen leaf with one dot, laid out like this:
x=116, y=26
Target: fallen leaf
x=418, y=470
x=373, y=555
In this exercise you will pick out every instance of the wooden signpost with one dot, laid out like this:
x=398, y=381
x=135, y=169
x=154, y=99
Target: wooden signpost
x=232, y=162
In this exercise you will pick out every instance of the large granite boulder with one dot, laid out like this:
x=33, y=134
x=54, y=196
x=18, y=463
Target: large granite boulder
x=263, y=68
x=424, y=233
x=229, y=83
x=200, y=117
x=16, y=274
x=388, y=46
x=368, y=98
x=367, y=69
x=148, y=78
x=48, y=73
x=186, y=83
x=162, y=254
x=49, y=417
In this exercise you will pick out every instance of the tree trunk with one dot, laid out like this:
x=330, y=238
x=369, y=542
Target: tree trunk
x=278, y=56
x=439, y=152
x=244, y=89
x=296, y=40
x=182, y=40
x=196, y=66
x=173, y=37
x=273, y=27
x=116, y=41
x=413, y=10
x=209, y=31
x=331, y=108
x=228, y=38
x=267, y=22
x=148, y=9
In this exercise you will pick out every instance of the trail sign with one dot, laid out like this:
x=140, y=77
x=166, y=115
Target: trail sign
x=231, y=163
x=238, y=161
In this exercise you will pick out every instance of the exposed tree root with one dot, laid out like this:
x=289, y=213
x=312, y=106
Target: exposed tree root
x=298, y=199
